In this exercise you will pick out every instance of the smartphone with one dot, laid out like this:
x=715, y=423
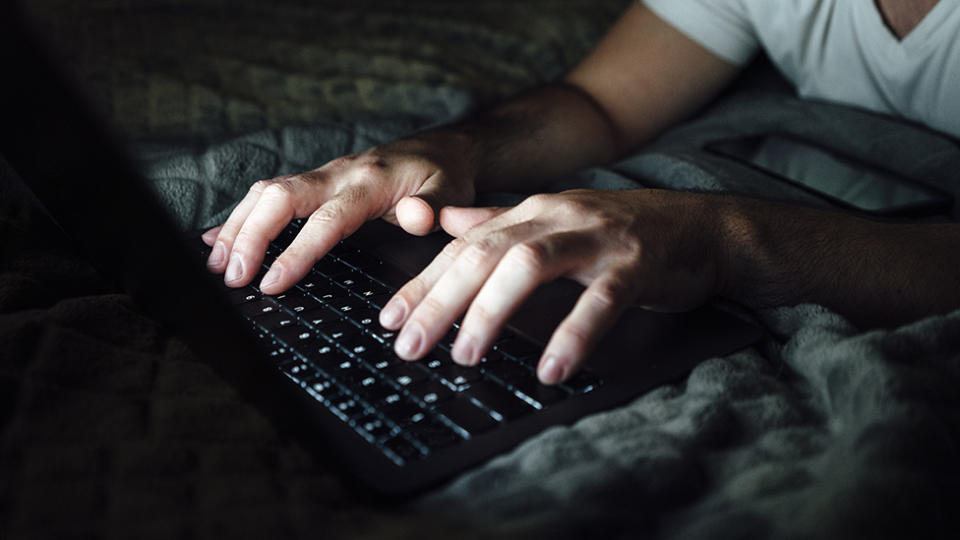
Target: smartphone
x=842, y=180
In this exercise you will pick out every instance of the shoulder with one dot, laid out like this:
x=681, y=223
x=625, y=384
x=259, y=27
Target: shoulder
x=724, y=27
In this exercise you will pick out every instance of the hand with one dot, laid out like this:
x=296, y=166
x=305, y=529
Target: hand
x=406, y=182
x=654, y=248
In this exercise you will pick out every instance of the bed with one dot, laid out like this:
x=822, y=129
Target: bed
x=110, y=427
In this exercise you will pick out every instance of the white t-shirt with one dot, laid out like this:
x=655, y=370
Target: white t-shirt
x=838, y=50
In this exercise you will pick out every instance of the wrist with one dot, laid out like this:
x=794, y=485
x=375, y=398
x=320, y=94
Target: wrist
x=754, y=266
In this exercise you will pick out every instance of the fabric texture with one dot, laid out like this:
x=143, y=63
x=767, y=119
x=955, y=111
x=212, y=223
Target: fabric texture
x=839, y=51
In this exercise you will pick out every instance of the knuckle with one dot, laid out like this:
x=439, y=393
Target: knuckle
x=479, y=253
x=277, y=190
x=538, y=200
x=430, y=308
x=609, y=293
x=453, y=248
x=573, y=207
x=371, y=168
x=413, y=289
x=481, y=317
x=244, y=238
x=531, y=254
x=575, y=335
x=355, y=194
x=259, y=186
x=323, y=216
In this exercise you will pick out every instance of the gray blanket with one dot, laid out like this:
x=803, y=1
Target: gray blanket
x=822, y=430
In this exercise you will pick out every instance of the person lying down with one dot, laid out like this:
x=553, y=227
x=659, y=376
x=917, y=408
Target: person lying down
x=663, y=250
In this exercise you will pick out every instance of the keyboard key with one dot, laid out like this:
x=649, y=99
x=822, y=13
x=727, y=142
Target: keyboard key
x=458, y=376
x=405, y=374
x=347, y=407
x=518, y=347
x=381, y=334
x=342, y=247
x=374, y=426
x=298, y=302
x=433, y=434
x=340, y=329
x=467, y=415
x=324, y=355
x=280, y=354
x=276, y=320
x=348, y=372
x=374, y=390
x=319, y=287
x=323, y=390
x=256, y=307
x=384, y=362
x=242, y=295
x=403, y=413
x=540, y=393
x=389, y=274
x=296, y=335
x=367, y=317
x=361, y=345
x=582, y=382
x=430, y=391
x=507, y=371
x=298, y=370
x=331, y=267
x=403, y=448
x=320, y=316
x=498, y=399
x=358, y=259
x=379, y=300
x=348, y=304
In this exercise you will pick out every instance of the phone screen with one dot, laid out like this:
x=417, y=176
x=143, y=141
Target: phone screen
x=835, y=177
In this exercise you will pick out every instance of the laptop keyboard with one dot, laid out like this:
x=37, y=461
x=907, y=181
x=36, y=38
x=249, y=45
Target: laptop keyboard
x=324, y=334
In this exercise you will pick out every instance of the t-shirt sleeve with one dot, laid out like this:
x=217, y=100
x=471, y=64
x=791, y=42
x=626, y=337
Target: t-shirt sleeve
x=721, y=26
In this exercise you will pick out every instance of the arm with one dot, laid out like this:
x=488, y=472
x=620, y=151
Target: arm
x=875, y=273
x=643, y=76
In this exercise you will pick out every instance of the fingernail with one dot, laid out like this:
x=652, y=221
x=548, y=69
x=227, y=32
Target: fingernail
x=392, y=314
x=272, y=276
x=551, y=370
x=234, y=270
x=464, y=349
x=408, y=342
x=217, y=255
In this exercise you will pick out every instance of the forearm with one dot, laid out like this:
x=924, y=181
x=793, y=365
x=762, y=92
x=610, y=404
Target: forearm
x=875, y=273
x=537, y=136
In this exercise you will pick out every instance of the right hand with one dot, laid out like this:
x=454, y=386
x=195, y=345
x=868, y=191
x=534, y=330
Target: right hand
x=406, y=182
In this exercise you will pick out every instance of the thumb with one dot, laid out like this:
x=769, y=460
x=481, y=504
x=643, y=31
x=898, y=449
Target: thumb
x=418, y=213
x=457, y=220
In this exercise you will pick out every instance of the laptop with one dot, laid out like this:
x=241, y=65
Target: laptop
x=314, y=360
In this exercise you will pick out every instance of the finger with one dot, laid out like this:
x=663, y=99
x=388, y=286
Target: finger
x=217, y=262
x=395, y=312
x=594, y=313
x=415, y=215
x=271, y=213
x=419, y=214
x=210, y=236
x=331, y=222
x=524, y=267
x=453, y=291
x=456, y=221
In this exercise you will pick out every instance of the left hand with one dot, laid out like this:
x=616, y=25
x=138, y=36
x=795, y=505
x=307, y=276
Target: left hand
x=654, y=248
